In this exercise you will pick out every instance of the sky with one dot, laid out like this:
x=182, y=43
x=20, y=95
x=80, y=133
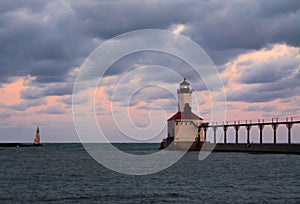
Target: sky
x=254, y=45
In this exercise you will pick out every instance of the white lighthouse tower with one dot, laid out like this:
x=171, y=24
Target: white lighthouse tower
x=183, y=125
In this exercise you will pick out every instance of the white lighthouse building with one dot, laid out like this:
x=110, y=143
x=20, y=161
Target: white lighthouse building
x=183, y=125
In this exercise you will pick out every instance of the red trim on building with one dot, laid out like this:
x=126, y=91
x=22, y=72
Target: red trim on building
x=182, y=115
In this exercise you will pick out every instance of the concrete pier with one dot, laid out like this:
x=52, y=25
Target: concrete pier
x=253, y=148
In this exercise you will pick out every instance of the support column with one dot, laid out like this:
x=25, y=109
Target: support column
x=289, y=127
x=205, y=132
x=236, y=127
x=274, y=126
x=215, y=128
x=248, y=127
x=261, y=127
x=225, y=127
x=199, y=131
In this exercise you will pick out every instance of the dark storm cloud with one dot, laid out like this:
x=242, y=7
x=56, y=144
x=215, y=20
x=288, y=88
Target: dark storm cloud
x=230, y=24
x=250, y=24
x=228, y=28
x=231, y=27
x=46, y=39
x=33, y=5
x=43, y=41
x=110, y=18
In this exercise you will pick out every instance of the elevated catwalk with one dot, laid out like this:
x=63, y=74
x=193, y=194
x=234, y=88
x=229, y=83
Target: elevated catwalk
x=289, y=122
x=288, y=148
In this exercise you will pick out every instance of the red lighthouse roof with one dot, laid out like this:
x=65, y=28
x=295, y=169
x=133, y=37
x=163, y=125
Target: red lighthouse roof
x=184, y=115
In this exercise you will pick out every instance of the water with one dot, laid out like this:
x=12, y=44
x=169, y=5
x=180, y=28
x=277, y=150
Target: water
x=60, y=173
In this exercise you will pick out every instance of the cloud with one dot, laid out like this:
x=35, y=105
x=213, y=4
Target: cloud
x=68, y=100
x=167, y=105
x=264, y=75
x=42, y=40
x=143, y=85
x=46, y=39
x=5, y=115
x=52, y=89
x=128, y=15
x=263, y=108
x=270, y=71
x=25, y=104
x=252, y=108
x=55, y=109
x=247, y=31
x=291, y=111
x=256, y=95
x=2, y=105
x=254, y=44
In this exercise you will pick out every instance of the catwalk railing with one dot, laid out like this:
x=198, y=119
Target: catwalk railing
x=248, y=124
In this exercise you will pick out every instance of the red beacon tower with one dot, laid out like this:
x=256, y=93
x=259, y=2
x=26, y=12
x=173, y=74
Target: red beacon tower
x=37, y=136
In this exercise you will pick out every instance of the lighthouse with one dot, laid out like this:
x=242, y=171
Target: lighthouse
x=183, y=125
x=37, y=136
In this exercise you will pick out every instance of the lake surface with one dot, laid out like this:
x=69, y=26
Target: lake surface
x=60, y=173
